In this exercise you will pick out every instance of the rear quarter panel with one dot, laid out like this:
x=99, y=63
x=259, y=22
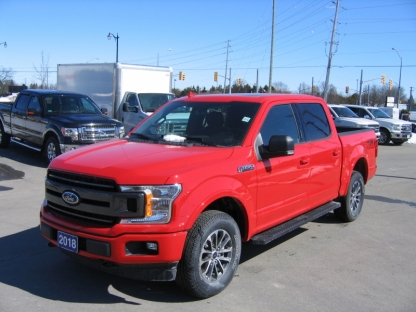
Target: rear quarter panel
x=358, y=146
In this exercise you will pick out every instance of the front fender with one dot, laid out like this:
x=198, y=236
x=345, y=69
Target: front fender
x=193, y=202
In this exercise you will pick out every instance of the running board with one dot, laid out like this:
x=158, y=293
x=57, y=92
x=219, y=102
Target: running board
x=17, y=141
x=269, y=235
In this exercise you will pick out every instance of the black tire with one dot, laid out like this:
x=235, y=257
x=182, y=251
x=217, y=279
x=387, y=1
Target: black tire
x=211, y=255
x=352, y=204
x=4, y=137
x=385, y=137
x=52, y=149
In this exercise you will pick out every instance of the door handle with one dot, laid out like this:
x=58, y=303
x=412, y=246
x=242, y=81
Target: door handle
x=336, y=152
x=304, y=161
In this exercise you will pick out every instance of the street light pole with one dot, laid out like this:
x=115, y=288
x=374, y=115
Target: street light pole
x=400, y=76
x=116, y=39
x=4, y=43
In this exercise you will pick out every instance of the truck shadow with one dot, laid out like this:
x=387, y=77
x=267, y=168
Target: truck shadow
x=30, y=265
x=23, y=155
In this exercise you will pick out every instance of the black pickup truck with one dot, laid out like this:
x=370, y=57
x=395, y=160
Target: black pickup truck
x=54, y=122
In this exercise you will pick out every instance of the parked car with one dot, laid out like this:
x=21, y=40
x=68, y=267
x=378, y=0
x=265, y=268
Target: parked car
x=395, y=130
x=55, y=122
x=202, y=174
x=346, y=118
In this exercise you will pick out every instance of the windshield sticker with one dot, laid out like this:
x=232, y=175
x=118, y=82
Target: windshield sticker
x=246, y=119
x=245, y=168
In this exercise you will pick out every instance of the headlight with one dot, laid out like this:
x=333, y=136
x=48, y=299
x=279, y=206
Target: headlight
x=397, y=127
x=157, y=204
x=121, y=132
x=70, y=132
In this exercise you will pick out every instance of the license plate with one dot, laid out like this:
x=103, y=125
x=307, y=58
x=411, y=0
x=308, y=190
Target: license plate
x=67, y=241
x=408, y=136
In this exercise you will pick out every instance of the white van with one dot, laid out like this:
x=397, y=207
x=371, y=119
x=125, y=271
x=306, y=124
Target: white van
x=346, y=118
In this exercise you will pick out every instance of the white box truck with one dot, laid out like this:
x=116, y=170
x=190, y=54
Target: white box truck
x=141, y=88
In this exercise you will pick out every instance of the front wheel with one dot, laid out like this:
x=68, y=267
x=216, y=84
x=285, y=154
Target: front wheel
x=52, y=149
x=352, y=203
x=4, y=137
x=211, y=255
x=384, y=137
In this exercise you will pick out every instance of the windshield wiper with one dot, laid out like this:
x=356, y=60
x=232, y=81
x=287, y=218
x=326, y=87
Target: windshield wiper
x=199, y=140
x=143, y=136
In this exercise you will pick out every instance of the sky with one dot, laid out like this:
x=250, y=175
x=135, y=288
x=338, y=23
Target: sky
x=192, y=36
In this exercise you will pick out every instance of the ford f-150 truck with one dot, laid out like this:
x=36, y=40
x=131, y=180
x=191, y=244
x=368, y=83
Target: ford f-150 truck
x=176, y=197
x=55, y=122
x=396, y=130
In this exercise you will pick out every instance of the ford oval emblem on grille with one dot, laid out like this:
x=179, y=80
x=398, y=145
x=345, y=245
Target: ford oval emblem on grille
x=70, y=198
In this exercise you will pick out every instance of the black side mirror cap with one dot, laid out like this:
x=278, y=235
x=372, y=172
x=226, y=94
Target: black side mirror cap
x=279, y=145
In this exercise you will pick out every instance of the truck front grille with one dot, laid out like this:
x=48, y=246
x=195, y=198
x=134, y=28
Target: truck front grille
x=86, y=182
x=98, y=133
x=81, y=216
x=407, y=128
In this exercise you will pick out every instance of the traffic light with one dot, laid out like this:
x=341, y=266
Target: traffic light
x=313, y=89
x=383, y=79
x=390, y=84
x=347, y=89
x=239, y=80
x=180, y=75
x=215, y=76
x=183, y=76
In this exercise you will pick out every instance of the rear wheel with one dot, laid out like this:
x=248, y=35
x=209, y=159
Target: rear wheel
x=384, y=137
x=4, y=137
x=352, y=203
x=211, y=255
x=52, y=149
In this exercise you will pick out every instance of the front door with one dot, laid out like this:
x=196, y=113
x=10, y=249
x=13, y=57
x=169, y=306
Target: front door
x=283, y=182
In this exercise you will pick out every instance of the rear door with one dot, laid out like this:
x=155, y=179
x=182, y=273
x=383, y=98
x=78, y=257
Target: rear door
x=19, y=115
x=325, y=153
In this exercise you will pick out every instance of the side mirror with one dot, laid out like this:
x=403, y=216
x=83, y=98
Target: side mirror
x=279, y=145
x=367, y=117
x=130, y=109
x=104, y=111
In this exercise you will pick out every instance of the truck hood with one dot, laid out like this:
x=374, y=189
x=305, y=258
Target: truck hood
x=132, y=163
x=360, y=121
x=389, y=121
x=76, y=120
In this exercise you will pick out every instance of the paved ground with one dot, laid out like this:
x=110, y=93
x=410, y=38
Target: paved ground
x=367, y=265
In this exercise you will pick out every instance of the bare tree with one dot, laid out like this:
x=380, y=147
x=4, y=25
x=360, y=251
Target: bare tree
x=5, y=79
x=42, y=74
x=280, y=87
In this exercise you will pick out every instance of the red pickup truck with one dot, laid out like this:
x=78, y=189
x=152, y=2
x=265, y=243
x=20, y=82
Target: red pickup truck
x=175, y=199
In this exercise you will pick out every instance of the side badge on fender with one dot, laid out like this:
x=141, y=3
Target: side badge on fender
x=245, y=168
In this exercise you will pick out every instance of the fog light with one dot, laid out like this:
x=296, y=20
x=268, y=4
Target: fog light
x=151, y=246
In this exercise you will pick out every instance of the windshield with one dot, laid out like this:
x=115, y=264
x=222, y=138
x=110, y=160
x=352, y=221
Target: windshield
x=70, y=104
x=378, y=113
x=344, y=112
x=152, y=101
x=199, y=123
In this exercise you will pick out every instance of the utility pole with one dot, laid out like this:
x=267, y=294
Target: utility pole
x=328, y=70
x=271, y=51
x=226, y=67
x=361, y=86
x=257, y=83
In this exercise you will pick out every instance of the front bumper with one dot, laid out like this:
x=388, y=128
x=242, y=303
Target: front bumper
x=124, y=255
x=401, y=136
